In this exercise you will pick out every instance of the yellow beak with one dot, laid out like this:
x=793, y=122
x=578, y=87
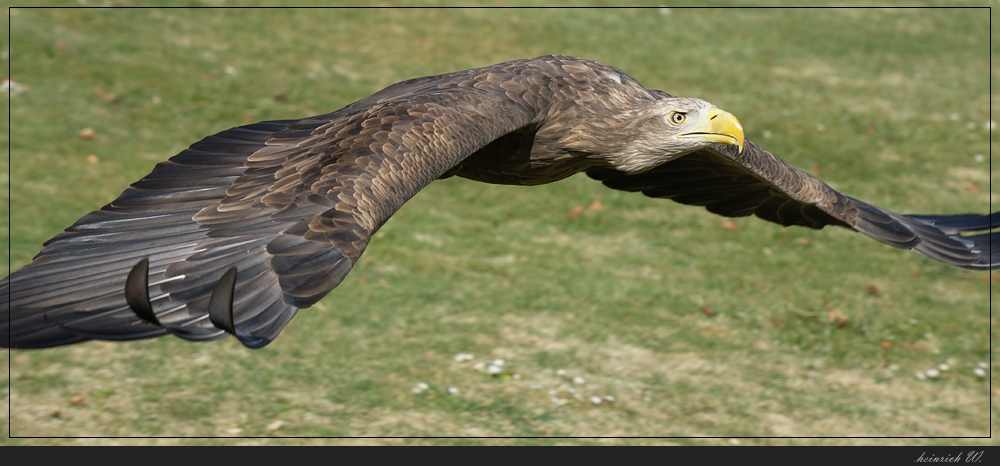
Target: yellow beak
x=721, y=127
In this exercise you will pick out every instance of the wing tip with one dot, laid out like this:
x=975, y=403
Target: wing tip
x=938, y=237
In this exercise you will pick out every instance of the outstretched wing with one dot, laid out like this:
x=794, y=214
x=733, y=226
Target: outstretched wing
x=247, y=226
x=756, y=182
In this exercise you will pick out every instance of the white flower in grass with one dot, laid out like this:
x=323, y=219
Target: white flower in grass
x=498, y=362
x=596, y=400
x=932, y=373
x=452, y=391
x=13, y=88
x=479, y=366
x=516, y=376
x=420, y=388
x=493, y=369
x=894, y=367
x=990, y=125
x=579, y=380
x=561, y=372
x=979, y=158
x=557, y=400
x=979, y=371
x=983, y=365
x=921, y=376
x=943, y=367
x=462, y=357
x=609, y=398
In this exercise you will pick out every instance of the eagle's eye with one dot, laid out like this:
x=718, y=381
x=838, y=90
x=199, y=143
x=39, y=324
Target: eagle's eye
x=677, y=118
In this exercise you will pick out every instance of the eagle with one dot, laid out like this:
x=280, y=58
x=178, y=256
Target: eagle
x=237, y=233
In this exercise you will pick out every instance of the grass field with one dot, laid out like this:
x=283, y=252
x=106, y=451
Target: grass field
x=811, y=333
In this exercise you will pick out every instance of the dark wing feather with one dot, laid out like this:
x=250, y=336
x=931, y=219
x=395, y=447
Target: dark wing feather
x=756, y=182
x=290, y=205
x=73, y=290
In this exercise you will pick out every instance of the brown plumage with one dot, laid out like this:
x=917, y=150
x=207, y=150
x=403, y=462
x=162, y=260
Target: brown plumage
x=239, y=232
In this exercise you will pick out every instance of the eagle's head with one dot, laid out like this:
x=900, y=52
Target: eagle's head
x=665, y=129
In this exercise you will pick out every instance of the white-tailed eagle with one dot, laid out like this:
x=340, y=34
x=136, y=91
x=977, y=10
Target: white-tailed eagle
x=237, y=233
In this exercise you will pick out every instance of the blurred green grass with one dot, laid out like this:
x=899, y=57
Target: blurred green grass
x=888, y=105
